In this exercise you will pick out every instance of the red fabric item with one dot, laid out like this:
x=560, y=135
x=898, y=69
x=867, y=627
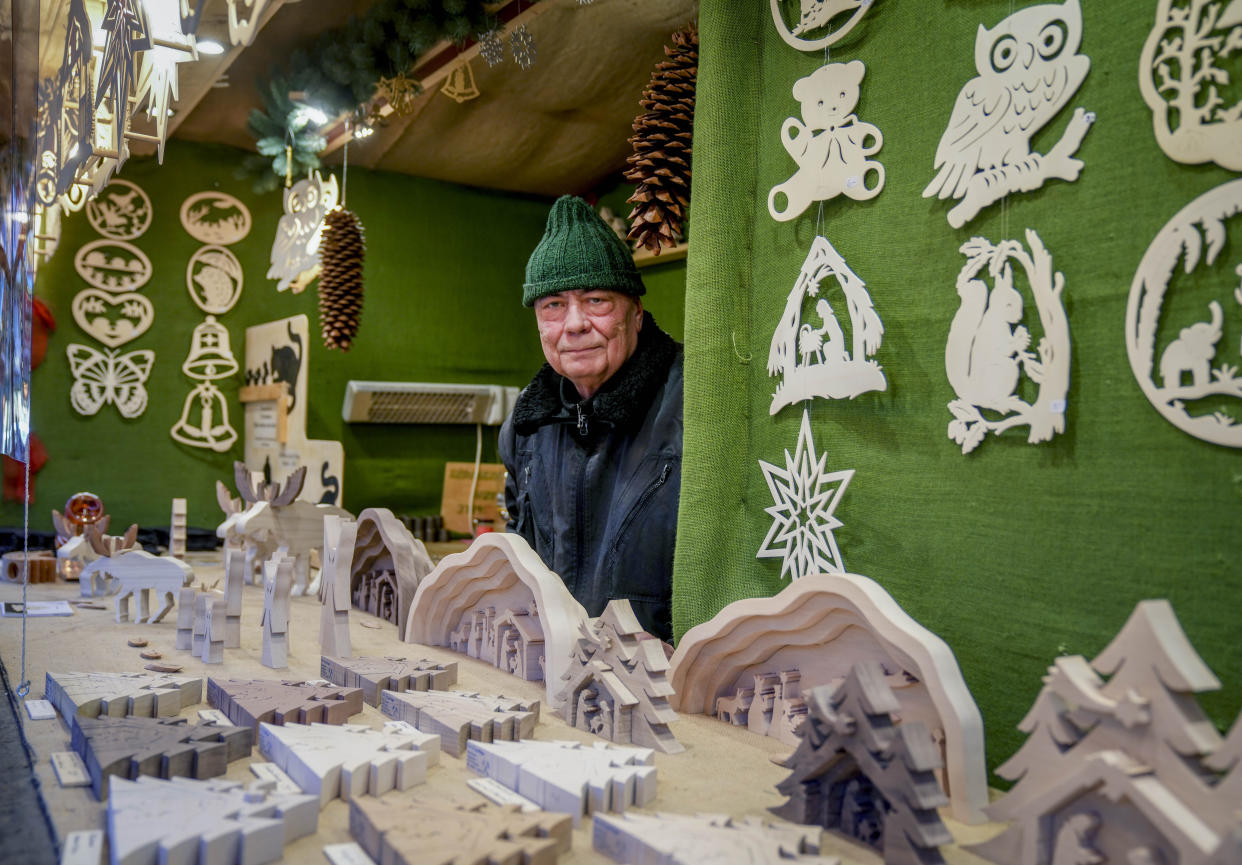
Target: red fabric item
x=42, y=323
x=15, y=472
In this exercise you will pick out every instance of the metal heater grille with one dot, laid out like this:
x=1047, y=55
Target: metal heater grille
x=421, y=403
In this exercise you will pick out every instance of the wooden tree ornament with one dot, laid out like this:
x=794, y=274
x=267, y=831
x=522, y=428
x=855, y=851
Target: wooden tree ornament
x=681, y=839
x=500, y=573
x=860, y=772
x=117, y=695
x=818, y=628
x=247, y=702
x=459, y=717
x=986, y=353
x=617, y=684
x=985, y=153
x=376, y=675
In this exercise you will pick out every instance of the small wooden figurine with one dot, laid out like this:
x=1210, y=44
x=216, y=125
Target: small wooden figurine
x=387, y=566
x=475, y=598
x=681, y=839
x=247, y=702
x=569, y=777
x=185, y=619
x=339, y=536
x=277, y=584
x=863, y=774
x=176, y=530
x=209, y=615
x=375, y=675
x=137, y=572
x=458, y=717
x=38, y=565
x=160, y=747
x=349, y=760
x=617, y=684
x=150, y=820
x=753, y=663
x=92, y=546
x=427, y=831
x=119, y=694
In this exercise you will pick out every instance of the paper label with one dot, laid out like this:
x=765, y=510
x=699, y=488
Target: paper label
x=40, y=710
x=83, y=848
x=347, y=854
x=70, y=770
x=272, y=772
x=489, y=788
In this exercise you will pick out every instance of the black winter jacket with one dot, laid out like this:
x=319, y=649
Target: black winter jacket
x=593, y=484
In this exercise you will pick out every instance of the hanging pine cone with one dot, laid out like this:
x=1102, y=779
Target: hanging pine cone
x=340, y=281
x=660, y=164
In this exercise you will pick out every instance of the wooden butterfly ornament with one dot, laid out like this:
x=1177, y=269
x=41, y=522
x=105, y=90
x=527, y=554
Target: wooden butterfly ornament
x=101, y=377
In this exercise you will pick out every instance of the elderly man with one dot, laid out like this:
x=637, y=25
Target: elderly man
x=593, y=447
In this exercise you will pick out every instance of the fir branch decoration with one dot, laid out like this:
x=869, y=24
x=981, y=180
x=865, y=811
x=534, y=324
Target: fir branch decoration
x=340, y=71
x=660, y=164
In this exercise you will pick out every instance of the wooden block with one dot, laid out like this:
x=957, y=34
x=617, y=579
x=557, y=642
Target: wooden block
x=348, y=760
x=40, y=566
x=247, y=702
x=160, y=747
x=185, y=619
x=214, y=716
x=176, y=531
x=499, y=794
x=681, y=839
x=818, y=627
x=70, y=770
x=152, y=820
x=457, y=716
x=84, y=847
x=376, y=675
x=569, y=777
x=425, y=831
x=499, y=573
x=120, y=694
x=275, y=774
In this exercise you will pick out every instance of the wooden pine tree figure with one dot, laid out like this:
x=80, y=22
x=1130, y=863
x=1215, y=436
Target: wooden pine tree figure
x=340, y=281
x=1123, y=768
x=860, y=773
x=660, y=164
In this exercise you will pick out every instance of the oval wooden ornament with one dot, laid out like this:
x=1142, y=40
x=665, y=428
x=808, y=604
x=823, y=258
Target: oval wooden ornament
x=121, y=211
x=215, y=218
x=113, y=265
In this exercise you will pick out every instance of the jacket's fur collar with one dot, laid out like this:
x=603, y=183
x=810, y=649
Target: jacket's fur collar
x=622, y=401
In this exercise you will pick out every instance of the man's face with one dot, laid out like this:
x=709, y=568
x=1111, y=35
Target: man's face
x=587, y=334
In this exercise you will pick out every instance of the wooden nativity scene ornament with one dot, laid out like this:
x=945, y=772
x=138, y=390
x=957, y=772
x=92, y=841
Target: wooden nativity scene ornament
x=204, y=421
x=830, y=145
x=816, y=359
x=387, y=565
x=987, y=353
x=810, y=25
x=1185, y=76
x=1198, y=391
x=295, y=249
x=805, y=496
x=1029, y=69
x=1120, y=763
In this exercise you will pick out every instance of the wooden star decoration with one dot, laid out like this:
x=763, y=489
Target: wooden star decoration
x=128, y=32
x=805, y=496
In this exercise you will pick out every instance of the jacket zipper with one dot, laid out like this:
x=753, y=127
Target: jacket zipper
x=582, y=421
x=638, y=506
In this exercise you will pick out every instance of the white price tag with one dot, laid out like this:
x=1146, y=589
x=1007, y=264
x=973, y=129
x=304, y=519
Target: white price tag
x=347, y=854
x=492, y=789
x=40, y=710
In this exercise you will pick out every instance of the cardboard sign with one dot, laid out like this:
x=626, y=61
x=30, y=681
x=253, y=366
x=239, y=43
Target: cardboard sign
x=457, y=478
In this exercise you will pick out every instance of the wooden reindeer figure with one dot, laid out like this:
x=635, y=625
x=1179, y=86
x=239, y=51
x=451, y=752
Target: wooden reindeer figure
x=277, y=585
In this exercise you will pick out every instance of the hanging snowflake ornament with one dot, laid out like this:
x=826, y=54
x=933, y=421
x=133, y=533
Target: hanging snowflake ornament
x=805, y=496
x=491, y=49
x=523, y=45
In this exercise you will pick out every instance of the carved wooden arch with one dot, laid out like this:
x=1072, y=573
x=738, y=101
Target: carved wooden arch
x=500, y=570
x=856, y=613
x=385, y=544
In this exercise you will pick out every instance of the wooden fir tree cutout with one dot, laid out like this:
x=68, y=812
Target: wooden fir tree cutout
x=247, y=702
x=814, y=359
x=753, y=663
x=809, y=25
x=830, y=144
x=349, y=760
x=617, y=684
x=681, y=839
x=497, y=601
x=113, y=265
x=805, y=495
x=376, y=675
x=1130, y=761
x=987, y=351
x=295, y=250
x=1198, y=390
x=1029, y=69
x=459, y=717
x=158, y=747
x=388, y=564
x=121, y=211
x=426, y=831
x=113, y=319
x=861, y=772
x=103, y=377
x=569, y=777
x=170, y=821
x=1187, y=73
x=215, y=218
x=117, y=695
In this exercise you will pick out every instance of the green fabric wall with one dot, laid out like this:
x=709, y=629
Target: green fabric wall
x=443, y=277
x=1016, y=552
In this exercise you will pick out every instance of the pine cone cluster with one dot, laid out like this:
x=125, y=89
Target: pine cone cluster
x=660, y=164
x=341, y=251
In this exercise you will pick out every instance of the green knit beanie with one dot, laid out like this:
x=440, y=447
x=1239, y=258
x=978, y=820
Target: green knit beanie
x=579, y=250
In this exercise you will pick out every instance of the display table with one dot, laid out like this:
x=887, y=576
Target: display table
x=725, y=769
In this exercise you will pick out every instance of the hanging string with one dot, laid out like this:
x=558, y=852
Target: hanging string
x=24, y=688
x=345, y=166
